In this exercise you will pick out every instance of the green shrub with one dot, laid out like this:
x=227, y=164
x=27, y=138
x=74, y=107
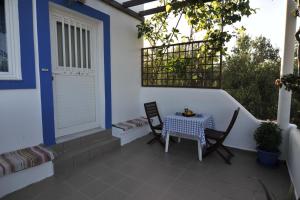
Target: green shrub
x=268, y=136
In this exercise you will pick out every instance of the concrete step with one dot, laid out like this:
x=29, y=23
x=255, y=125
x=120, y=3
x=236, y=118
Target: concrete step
x=77, y=152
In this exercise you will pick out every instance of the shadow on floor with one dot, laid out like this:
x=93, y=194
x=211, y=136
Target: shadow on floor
x=139, y=171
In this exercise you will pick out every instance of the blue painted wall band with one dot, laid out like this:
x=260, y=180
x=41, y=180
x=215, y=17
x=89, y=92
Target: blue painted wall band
x=43, y=30
x=26, y=50
x=43, y=24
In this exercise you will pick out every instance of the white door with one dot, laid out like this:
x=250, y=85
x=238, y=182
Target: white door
x=75, y=73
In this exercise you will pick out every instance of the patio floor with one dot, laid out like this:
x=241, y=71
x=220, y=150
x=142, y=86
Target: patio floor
x=140, y=172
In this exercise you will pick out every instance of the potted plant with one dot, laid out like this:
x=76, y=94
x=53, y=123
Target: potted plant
x=268, y=138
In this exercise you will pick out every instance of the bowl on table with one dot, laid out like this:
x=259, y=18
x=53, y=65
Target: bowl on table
x=188, y=114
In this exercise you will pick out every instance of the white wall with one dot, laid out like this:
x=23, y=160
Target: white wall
x=125, y=62
x=216, y=102
x=20, y=110
x=20, y=118
x=293, y=159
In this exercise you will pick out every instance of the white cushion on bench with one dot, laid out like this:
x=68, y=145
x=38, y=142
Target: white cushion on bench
x=131, y=130
x=23, y=159
x=133, y=123
x=23, y=167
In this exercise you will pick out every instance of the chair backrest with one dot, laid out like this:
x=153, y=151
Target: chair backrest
x=233, y=119
x=152, y=112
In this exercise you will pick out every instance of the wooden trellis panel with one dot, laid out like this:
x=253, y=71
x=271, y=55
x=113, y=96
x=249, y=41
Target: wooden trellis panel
x=190, y=65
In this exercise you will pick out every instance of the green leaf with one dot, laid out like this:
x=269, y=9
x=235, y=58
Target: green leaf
x=168, y=8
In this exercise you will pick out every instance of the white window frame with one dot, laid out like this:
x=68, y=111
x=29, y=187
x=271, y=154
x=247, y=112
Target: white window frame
x=12, y=41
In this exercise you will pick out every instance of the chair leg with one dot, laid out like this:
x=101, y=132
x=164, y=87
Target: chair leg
x=214, y=147
x=156, y=138
x=227, y=150
x=151, y=141
x=226, y=159
x=167, y=143
x=161, y=142
x=207, y=152
x=211, y=148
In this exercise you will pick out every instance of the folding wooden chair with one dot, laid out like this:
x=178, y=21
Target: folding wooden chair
x=215, y=139
x=153, y=116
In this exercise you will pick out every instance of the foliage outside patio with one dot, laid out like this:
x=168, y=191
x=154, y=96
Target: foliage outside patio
x=249, y=69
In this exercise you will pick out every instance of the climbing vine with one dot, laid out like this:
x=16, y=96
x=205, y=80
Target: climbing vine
x=209, y=18
x=291, y=82
x=207, y=21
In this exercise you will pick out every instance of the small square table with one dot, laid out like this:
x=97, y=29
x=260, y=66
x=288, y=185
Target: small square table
x=188, y=127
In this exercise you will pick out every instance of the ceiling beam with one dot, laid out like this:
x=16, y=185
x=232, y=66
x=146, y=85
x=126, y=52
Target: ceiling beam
x=152, y=11
x=132, y=3
x=120, y=7
x=163, y=8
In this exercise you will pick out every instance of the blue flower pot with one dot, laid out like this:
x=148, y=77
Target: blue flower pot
x=266, y=158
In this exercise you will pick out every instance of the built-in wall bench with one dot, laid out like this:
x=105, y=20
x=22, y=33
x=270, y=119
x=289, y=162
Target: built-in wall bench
x=23, y=167
x=131, y=130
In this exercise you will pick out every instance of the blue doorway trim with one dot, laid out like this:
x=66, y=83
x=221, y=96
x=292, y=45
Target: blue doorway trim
x=43, y=24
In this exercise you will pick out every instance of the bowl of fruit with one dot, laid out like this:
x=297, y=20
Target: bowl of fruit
x=188, y=113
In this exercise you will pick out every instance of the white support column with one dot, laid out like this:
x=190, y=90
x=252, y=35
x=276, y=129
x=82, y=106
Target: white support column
x=287, y=65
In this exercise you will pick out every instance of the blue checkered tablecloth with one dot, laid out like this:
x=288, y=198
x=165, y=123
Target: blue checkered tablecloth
x=188, y=125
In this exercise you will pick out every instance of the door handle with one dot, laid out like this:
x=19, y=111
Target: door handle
x=45, y=70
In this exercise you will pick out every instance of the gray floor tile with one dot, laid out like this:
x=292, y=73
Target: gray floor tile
x=147, y=192
x=128, y=185
x=139, y=171
x=76, y=196
x=111, y=177
x=57, y=192
x=97, y=170
x=112, y=194
x=182, y=190
x=20, y=196
x=128, y=168
x=169, y=170
x=78, y=179
x=191, y=178
x=170, y=196
x=112, y=160
x=161, y=181
x=94, y=188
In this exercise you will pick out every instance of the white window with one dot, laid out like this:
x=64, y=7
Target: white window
x=73, y=43
x=10, y=59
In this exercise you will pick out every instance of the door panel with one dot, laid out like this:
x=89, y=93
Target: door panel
x=75, y=81
x=75, y=106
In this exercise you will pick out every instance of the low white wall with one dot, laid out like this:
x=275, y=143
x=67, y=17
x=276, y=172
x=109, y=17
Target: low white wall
x=18, y=180
x=216, y=102
x=293, y=159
